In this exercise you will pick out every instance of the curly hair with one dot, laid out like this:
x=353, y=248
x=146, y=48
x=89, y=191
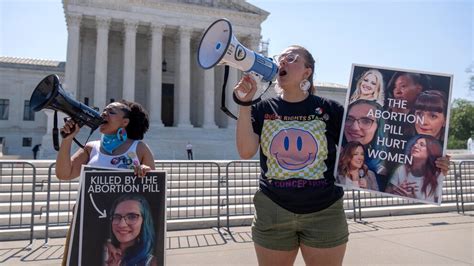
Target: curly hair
x=139, y=122
x=419, y=79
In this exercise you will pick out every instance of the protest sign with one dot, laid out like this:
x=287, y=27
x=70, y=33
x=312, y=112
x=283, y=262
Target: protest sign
x=395, y=126
x=122, y=218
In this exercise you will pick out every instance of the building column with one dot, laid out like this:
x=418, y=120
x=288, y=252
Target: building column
x=184, y=73
x=129, y=51
x=209, y=89
x=254, y=43
x=101, y=54
x=154, y=99
x=231, y=105
x=73, y=45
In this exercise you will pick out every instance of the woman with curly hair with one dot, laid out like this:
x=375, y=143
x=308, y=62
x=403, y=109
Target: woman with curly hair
x=120, y=146
x=352, y=171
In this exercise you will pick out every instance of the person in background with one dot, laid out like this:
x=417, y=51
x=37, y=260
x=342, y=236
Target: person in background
x=470, y=143
x=35, y=150
x=189, y=150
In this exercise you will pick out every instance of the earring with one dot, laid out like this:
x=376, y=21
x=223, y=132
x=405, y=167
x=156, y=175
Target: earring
x=122, y=134
x=304, y=85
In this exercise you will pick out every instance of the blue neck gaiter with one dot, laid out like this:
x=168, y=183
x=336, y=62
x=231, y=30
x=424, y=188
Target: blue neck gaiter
x=113, y=141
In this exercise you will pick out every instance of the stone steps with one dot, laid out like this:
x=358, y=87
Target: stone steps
x=192, y=202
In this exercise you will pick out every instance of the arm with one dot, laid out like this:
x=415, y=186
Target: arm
x=145, y=156
x=443, y=164
x=70, y=167
x=247, y=141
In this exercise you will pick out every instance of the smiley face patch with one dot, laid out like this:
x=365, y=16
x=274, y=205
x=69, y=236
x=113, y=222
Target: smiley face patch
x=294, y=149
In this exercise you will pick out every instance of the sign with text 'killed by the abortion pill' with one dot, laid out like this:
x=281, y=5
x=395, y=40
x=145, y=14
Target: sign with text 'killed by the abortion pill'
x=122, y=218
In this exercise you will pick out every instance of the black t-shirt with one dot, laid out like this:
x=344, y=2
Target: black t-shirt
x=298, y=151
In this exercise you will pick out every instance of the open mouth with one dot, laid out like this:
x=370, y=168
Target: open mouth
x=282, y=73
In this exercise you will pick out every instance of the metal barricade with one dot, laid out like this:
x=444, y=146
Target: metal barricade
x=466, y=185
x=193, y=190
x=450, y=194
x=241, y=185
x=17, y=184
x=61, y=197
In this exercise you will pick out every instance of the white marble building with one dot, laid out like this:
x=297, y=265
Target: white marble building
x=20, y=128
x=145, y=50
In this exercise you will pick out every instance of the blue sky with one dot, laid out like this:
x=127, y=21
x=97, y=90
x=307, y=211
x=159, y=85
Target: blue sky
x=435, y=36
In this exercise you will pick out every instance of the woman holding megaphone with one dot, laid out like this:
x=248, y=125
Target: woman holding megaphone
x=125, y=124
x=297, y=206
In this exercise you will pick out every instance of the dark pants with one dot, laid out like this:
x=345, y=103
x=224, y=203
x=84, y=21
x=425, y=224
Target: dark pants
x=35, y=153
x=190, y=154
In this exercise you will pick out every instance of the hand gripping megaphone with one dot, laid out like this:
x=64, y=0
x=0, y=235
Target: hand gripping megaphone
x=49, y=94
x=219, y=46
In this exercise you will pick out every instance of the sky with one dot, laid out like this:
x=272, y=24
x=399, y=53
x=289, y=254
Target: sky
x=422, y=35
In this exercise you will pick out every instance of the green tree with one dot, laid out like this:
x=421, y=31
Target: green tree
x=461, y=123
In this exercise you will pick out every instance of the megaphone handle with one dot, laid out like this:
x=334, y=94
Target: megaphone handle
x=64, y=134
x=55, y=131
x=239, y=102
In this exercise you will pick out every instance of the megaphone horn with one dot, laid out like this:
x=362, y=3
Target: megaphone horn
x=219, y=46
x=49, y=94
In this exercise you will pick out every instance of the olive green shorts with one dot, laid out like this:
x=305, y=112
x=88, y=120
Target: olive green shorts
x=276, y=228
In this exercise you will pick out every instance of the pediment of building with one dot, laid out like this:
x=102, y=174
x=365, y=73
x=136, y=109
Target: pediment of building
x=181, y=6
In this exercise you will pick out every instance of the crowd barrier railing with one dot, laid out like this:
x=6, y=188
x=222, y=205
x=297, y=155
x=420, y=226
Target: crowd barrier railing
x=196, y=190
x=466, y=184
x=18, y=186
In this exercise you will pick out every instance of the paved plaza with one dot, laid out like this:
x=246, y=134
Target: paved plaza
x=428, y=239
